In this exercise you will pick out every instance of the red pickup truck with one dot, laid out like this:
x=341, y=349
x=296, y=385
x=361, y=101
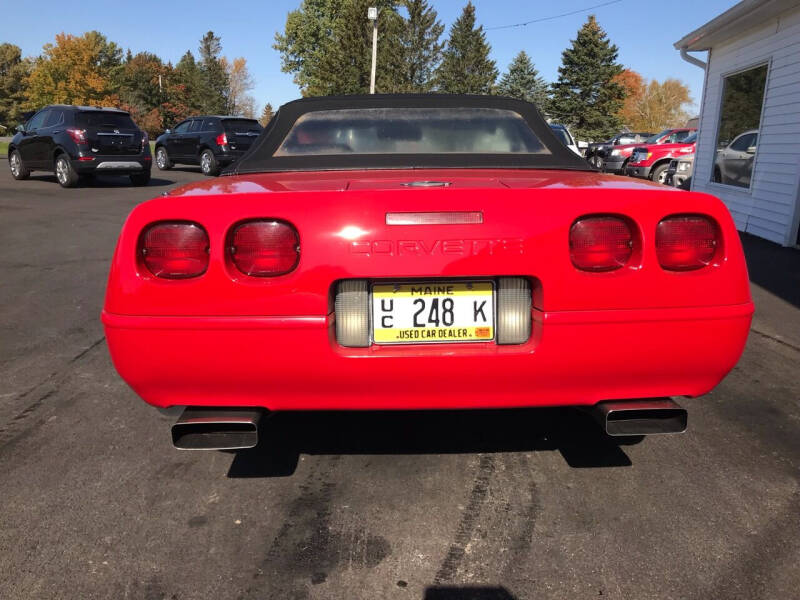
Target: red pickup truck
x=652, y=161
x=617, y=158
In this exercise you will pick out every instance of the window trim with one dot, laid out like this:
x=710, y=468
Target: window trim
x=46, y=109
x=723, y=75
x=181, y=123
x=60, y=121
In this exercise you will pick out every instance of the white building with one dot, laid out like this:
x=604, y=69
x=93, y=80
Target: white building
x=748, y=146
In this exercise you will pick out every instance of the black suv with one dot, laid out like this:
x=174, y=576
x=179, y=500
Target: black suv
x=210, y=141
x=596, y=151
x=73, y=141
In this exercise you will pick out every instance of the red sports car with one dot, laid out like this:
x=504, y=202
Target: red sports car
x=422, y=252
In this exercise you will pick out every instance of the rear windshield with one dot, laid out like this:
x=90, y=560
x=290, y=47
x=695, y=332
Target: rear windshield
x=241, y=126
x=105, y=119
x=411, y=131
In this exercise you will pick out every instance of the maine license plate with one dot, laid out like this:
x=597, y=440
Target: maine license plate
x=417, y=313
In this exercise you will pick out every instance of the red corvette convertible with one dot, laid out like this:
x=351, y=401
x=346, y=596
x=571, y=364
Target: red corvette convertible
x=422, y=252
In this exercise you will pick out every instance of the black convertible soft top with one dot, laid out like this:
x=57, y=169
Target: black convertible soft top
x=261, y=155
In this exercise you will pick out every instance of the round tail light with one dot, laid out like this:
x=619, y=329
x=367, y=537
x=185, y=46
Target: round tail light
x=265, y=248
x=601, y=243
x=174, y=250
x=686, y=242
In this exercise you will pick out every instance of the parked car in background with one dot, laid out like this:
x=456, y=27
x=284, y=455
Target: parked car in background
x=652, y=161
x=597, y=151
x=565, y=137
x=211, y=141
x=410, y=268
x=679, y=172
x=734, y=163
x=618, y=157
x=80, y=141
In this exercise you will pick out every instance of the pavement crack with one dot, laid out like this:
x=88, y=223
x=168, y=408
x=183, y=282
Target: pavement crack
x=17, y=423
x=466, y=526
x=86, y=351
x=776, y=339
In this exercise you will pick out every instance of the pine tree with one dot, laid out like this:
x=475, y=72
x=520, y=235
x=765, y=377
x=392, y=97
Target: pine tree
x=522, y=81
x=188, y=84
x=586, y=97
x=266, y=114
x=13, y=74
x=213, y=94
x=421, y=46
x=345, y=67
x=466, y=67
x=306, y=40
x=137, y=81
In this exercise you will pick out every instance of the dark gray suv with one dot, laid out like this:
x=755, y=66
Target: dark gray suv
x=211, y=141
x=76, y=141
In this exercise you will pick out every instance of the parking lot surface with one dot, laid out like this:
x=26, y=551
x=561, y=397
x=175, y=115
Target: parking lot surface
x=523, y=504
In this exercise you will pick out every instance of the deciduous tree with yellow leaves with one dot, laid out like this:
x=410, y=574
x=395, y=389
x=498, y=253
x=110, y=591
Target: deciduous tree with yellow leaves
x=652, y=106
x=240, y=82
x=75, y=70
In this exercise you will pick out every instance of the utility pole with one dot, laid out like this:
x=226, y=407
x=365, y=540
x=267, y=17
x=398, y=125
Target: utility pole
x=372, y=15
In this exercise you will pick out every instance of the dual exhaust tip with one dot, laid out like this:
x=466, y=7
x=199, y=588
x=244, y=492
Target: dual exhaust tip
x=237, y=428
x=216, y=429
x=640, y=417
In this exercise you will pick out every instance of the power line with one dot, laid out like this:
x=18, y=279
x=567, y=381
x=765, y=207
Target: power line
x=566, y=14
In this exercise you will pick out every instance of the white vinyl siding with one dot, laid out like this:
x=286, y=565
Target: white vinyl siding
x=769, y=208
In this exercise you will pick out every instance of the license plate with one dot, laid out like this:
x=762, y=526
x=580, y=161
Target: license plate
x=432, y=312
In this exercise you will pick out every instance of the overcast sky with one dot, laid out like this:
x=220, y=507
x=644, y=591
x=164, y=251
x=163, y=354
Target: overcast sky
x=643, y=31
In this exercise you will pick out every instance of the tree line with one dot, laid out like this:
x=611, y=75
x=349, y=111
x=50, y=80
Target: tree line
x=91, y=70
x=326, y=45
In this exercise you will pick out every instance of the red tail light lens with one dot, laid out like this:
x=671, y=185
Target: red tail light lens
x=78, y=135
x=175, y=250
x=265, y=248
x=686, y=242
x=222, y=140
x=600, y=243
x=145, y=140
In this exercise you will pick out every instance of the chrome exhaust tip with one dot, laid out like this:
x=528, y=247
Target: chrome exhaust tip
x=640, y=417
x=216, y=429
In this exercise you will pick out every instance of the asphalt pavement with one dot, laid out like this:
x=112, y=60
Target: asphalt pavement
x=485, y=505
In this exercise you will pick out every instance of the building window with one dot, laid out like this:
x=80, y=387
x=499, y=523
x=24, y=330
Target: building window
x=739, y=120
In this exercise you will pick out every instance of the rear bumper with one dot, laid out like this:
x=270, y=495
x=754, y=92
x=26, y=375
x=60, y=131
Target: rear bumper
x=113, y=165
x=294, y=363
x=226, y=158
